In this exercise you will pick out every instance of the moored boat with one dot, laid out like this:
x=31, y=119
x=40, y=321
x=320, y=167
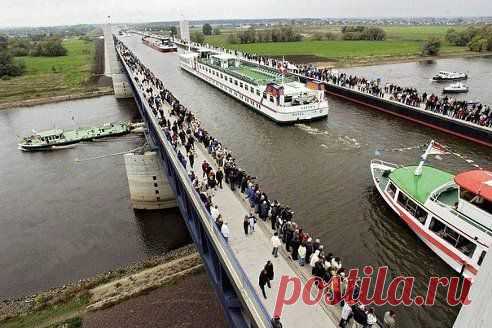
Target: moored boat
x=50, y=139
x=451, y=214
x=449, y=76
x=456, y=88
x=274, y=93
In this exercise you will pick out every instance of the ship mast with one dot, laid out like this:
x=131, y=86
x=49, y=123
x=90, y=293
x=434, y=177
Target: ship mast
x=418, y=170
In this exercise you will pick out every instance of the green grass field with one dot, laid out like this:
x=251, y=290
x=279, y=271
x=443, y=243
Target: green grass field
x=402, y=42
x=50, y=76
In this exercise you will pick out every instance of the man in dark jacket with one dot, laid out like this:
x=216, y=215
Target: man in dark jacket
x=263, y=280
x=269, y=269
x=219, y=176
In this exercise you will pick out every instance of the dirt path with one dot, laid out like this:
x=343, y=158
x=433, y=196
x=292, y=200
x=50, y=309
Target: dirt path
x=191, y=302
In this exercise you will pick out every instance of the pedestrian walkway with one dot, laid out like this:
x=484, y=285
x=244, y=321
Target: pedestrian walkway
x=255, y=249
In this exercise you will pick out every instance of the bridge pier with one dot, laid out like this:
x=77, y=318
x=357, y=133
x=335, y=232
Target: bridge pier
x=113, y=67
x=149, y=187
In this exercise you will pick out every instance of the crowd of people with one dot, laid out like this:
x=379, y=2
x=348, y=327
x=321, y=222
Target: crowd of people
x=184, y=132
x=473, y=112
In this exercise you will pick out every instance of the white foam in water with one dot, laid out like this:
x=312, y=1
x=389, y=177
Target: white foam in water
x=345, y=140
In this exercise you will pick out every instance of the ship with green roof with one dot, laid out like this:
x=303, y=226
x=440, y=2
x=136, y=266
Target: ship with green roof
x=55, y=138
x=451, y=214
x=274, y=93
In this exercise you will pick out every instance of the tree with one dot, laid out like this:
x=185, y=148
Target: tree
x=478, y=44
x=7, y=65
x=207, y=29
x=431, y=47
x=197, y=37
x=173, y=30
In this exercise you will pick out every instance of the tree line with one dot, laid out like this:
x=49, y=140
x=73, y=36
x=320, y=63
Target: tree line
x=278, y=34
x=359, y=32
x=47, y=47
x=475, y=38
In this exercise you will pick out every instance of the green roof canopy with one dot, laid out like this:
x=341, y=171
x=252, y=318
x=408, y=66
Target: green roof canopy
x=419, y=187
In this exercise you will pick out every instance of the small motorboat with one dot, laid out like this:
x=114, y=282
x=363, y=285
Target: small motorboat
x=456, y=88
x=450, y=76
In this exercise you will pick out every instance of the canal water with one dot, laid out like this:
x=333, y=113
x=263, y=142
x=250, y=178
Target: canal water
x=321, y=169
x=63, y=216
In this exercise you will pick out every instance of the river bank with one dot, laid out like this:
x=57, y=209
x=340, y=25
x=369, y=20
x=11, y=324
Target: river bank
x=376, y=61
x=75, y=299
x=56, y=99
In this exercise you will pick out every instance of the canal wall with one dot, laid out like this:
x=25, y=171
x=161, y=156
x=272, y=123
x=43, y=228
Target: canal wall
x=462, y=129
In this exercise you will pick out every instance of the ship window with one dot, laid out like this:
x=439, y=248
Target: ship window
x=257, y=92
x=235, y=82
x=481, y=258
x=221, y=76
x=271, y=99
x=444, y=231
x=241, y=85
x=287, y=99
x=418, y=212
x=264, y=95
x=391, y=189
x=465, y=246
x=251, y=90
x=230, y=79
x=476, y=200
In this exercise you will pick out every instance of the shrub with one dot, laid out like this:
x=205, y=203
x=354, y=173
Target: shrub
x=431, y=47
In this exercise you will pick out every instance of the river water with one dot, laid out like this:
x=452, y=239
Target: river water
x=63, y=219
x=321, y=169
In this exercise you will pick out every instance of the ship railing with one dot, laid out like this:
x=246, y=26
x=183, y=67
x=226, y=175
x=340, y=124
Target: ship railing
x=381, y=162
x=229, y=72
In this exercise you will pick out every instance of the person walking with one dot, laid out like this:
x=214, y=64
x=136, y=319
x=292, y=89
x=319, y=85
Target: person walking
x=269, y=269
x=219, y=176
x=246, y=225
x=276, y=244
x=301, y=252
x=225, y=231
x=191, y=158
x=264, y=281
x=252, y=222
x=276, y=322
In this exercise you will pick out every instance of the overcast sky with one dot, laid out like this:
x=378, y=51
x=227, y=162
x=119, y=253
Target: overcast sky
x=67, y=12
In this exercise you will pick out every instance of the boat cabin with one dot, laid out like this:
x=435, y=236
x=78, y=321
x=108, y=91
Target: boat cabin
x=475, y=195
x=224, y=61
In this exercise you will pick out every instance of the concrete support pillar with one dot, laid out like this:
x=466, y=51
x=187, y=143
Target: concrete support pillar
x=113, y=67
x=149, y=188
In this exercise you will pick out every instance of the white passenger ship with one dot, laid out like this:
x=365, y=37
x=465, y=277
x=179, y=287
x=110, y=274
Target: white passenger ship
x=452, y=215
x=273, y=93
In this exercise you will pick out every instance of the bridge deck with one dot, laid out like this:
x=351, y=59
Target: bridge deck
x=254, y=250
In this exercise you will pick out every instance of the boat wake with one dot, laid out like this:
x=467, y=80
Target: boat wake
x=346, y=141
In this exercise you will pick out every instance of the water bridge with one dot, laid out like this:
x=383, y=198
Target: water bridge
x=233, y=266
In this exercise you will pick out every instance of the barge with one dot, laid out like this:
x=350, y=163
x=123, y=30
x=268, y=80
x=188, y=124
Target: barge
x=161, y=45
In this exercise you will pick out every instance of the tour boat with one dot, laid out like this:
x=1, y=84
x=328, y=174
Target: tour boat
x=50, y=139
x=450, y=76
x=274, y=93
x=162, y=44
x=451, y=214
x=456, y=88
